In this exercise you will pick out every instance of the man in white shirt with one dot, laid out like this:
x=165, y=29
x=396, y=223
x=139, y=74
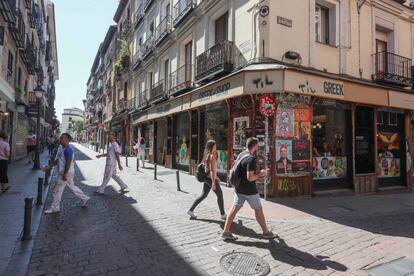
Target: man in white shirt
x=65, y=164
x=112, y=158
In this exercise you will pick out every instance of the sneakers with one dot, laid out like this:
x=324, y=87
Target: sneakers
x=269, y=235
x=223, y=217
x=98, y=193
x=4, y=190
x=228, y=236
x=50, y=211
x=124, y=190
x=192, y=215
x=85, y=202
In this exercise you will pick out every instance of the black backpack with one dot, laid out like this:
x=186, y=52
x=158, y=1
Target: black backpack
x=200, y=173
x=235, y=177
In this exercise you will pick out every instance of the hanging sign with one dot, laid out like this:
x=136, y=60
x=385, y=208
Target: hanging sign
x=267, y=105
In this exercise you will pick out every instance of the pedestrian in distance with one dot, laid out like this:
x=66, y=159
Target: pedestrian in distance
x=66, y=169
x=244, y=174
x=112, y=158
x=139, y=149
x=212, y=181
x=31, y=144
x=4, y=161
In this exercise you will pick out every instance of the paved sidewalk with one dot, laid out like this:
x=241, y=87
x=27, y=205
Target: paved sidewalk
x=23, y=183
x=146, y=231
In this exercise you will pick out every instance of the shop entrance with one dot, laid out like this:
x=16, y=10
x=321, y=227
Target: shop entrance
x=181, y=134
x=332, y=145
x=160, y=141
x=391, y=149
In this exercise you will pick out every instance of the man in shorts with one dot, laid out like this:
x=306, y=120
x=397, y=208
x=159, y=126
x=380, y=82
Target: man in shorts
x=247, y=191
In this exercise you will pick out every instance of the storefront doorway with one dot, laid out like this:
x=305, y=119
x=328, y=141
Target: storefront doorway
x=332, y=145
x=160, y=141
x=181, y=150
x=391, y=148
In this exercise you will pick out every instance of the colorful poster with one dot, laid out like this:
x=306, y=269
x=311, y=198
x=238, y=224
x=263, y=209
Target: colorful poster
x=329, y=167
x=301, y=150
x=240, y=125
x=284, y=156
x=222, y=161
x=388, y=144
x=285, y=122
x=302, y=115
x=302, y=131
x=183, y=153
x=389, y=167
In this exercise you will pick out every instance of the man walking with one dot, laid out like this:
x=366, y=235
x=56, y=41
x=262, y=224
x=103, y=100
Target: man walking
x=112, y=158
x=246, y=190
x=66, y=169
x=31, y=144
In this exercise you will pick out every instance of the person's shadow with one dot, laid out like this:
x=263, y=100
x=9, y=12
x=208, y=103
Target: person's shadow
x=282, y=252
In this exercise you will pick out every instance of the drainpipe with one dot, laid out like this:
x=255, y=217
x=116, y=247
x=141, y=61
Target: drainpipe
x=360, y=3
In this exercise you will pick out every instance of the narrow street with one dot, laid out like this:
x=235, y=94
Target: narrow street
x=147, y=231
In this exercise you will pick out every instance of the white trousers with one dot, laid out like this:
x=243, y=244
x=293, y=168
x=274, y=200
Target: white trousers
x=110, y=172
x=60, y=187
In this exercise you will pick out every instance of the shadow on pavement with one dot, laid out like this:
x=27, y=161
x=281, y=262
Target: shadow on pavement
x=391, y=215
x=109, y=235
x=282, y=252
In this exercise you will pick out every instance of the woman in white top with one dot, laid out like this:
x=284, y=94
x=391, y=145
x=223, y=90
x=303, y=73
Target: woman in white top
x=4, y=160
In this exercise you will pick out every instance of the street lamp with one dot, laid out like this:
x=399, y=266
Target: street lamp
x=39, y=94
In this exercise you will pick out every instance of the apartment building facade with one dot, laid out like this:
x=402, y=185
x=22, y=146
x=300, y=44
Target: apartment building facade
x=336, y=74
x=28, y=57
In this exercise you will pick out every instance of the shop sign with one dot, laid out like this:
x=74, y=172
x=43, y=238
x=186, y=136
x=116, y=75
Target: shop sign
x=401, y=100
x=269, y=81
x=267, y=105
x=313, y=85
x=165, y=109
x=214, y=92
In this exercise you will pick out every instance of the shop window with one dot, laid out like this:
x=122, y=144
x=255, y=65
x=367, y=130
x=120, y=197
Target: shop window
x=194, y=136
x=181, y=139
x=331, y=143
x=214, y=126
x=364, y=140
x=325, y=22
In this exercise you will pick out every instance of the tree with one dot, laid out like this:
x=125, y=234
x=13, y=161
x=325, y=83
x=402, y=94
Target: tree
x=78, y=127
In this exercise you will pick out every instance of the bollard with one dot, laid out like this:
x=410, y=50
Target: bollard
x=178, y=180
x=126, y=160
x=155, y=171
x=137, y=164
x=28, y=202
x=39, y=191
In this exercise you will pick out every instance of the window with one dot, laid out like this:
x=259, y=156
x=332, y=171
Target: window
x=151, y=28
x=19, y=77
x=10, y=64
x=70, y=119
x=325, y=23
x=166, y=73
x=364, y=140
x=221, y=28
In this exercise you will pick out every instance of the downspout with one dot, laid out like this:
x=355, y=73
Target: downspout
x=360, y=3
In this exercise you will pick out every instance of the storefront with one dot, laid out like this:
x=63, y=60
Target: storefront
x=160, y=133
x=181, y=141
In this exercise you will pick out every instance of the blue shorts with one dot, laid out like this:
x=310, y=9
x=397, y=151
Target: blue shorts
x=253, y=200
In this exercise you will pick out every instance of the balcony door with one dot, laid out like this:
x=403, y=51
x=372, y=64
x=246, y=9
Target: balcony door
x=188, y=60
x=381, y=57
x=166, y=73
x=221, y=28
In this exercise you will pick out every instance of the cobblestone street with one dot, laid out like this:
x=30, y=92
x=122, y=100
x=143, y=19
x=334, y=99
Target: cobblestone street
x=147, y=231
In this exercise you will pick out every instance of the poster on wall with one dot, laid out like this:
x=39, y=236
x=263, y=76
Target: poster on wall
x=389, y=167
x=222, y=161
x=151, y=139
x=389, y=152
x=284, y=156
x=240, y=124
x=329, y=167
x=285, y=122
x=183, y=153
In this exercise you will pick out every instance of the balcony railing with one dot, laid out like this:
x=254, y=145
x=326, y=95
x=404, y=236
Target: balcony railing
x=8, y=10
x=392, y=69
x=147, y=4
x=181, y=80
x=181, y=9
x=158, y=92
x=140, y=101
x=18, y=30
x=148, y=46
x=137, y=59
x=216, y=60
x=122, y=105
x=162, y=30
x=139, y=14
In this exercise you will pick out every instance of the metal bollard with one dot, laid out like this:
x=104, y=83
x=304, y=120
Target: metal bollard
x=28, y=202
x=178, y=180
x=155, y=171
x=137, y=164
x=39, y=191
x=126, y=160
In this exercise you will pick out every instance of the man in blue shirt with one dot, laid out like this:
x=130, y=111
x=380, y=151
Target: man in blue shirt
x=66, y=169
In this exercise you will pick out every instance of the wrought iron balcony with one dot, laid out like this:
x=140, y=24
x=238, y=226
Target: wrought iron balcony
x=181, y=80
x=122, y=105
x=139, y=14
x=8, y=10
x=392, y=69
x=147, y=4
x=162, y=30
x=158, y=92
x=181, y=9
x=137, y=59
x=140, y=101
x=148, y=46
x=216, y=60
x=18, y=30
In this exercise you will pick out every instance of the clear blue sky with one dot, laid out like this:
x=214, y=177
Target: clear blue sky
x=81, y=26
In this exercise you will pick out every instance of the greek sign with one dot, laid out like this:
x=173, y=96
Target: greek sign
x=263, y=81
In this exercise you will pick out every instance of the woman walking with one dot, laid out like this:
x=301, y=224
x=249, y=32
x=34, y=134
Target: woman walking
x=212, y=182
x=4, y=159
